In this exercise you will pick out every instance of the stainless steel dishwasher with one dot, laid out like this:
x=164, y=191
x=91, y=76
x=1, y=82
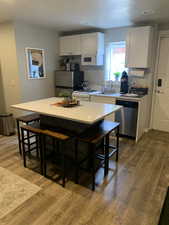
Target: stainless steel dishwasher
x=130, y=113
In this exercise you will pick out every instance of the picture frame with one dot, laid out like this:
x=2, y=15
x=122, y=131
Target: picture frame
x=35, y=60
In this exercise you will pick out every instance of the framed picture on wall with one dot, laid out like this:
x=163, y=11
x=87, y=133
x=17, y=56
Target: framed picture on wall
x=35, y=60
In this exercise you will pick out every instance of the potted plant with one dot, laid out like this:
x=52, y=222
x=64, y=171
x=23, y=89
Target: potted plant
x=117, y=75
x=67, y=96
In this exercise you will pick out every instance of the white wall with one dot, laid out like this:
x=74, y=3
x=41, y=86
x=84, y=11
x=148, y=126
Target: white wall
x=14, y=85
x=9, y=67
x=36, y=37
x=2, y=100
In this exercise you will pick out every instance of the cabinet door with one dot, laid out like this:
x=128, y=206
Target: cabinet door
x=89, y=44
x=106, y=100
x=70, y=45
x=138, y=47
x=65, y=46
x=76, y=44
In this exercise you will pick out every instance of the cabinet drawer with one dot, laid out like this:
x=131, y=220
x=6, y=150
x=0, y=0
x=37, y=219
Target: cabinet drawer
x=103, y=99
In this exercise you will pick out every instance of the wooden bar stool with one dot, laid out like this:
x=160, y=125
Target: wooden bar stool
x=96, y=139
x=26, y=120
x=31, y=146
x=61, y=139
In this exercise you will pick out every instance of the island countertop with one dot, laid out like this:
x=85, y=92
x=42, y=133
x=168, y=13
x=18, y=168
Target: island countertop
x=87, y=112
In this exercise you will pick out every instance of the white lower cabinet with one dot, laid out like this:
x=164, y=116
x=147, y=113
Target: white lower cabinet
x=106, y=100
x=142, y=122
x=143, y=117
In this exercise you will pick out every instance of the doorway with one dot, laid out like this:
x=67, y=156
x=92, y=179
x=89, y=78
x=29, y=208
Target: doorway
x=161, y=92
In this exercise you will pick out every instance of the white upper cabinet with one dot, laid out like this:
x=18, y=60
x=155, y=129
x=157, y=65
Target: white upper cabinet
x=70, y=45
x=92, y=44
x=85, y=44
x=138, y=47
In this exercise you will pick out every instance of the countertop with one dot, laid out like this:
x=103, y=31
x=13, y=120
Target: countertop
x=87, y=112
x=119, y=96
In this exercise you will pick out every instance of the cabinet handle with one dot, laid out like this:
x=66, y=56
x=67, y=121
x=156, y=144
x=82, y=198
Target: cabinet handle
x=159, y=82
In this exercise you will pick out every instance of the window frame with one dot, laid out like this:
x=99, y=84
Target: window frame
x=109, y=49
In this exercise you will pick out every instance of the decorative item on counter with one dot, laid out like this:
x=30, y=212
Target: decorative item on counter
x=66, y=95
x=124, y=83
x=107, y=86
x=68, y=101
x=117, y=75
x=116, y=86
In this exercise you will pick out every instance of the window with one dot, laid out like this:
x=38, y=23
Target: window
x=115, y=60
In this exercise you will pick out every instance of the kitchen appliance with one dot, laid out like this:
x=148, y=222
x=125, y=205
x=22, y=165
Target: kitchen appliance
x=124, y=83
x=67, y=65
x=136, y=92
x=73, y=67
x=130, y=113
x=76, y=67
x=140, y=91
x=85, y=85
x=68, y=81
x=92, y=60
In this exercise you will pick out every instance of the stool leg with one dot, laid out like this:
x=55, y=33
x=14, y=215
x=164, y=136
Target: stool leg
x=57, y=147
x=37, y=146
x=53, y=145
x=103, y=149
x=93, y=156
x=23, y=148
x=106, y=169
x=44, y=155
x=28, y=139
x=76, y=163
x=63, y=164
x=117, y=144
x=41, y=154
x=19, y=137
x=89, y=164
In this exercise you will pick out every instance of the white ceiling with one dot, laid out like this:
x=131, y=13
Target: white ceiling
x=78, y=14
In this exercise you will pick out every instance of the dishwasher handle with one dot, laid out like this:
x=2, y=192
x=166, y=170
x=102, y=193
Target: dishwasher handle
x=127, y=104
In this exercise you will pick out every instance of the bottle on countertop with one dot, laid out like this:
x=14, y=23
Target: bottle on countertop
x=124, y=83
x=68, y=65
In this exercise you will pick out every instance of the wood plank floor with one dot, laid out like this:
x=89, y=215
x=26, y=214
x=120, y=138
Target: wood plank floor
x=132, y=194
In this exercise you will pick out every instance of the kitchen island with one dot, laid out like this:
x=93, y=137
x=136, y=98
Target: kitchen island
x=86, y=114
x=85, y=129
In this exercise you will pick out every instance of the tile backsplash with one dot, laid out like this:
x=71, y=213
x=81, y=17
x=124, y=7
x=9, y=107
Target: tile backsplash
x=96, y=79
